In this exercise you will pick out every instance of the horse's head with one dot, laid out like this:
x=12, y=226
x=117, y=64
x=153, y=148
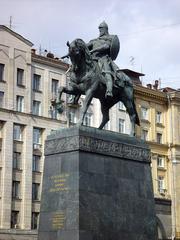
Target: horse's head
x=77, y=48
x=79, y=53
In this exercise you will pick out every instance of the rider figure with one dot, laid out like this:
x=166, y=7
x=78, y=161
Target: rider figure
x=100, y=50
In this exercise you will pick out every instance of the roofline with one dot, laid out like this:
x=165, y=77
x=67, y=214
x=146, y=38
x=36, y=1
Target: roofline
x=152, y=93
x=3, y=27
x=49, y=61
x=129, y=70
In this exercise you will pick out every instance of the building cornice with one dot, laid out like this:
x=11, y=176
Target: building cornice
x=176, y=145
x=158, y=145
x=49, y=61
x=174, y=97
x=31, y=116
x=150, y=93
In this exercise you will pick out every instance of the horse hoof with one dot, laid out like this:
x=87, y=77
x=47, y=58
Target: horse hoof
x=59, y=107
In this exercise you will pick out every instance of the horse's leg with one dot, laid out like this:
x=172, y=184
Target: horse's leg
x=87, y=101
x=105, y=115
x=130, y=107
x=76, y=99
x=69, y=90
x=60, y=91
x=59, y=103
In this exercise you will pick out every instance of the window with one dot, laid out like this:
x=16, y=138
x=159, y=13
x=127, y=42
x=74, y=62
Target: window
x=37, y=135
x=158, y=117
x=16, y=189
x=36, y=107
x=54, y=87
x=72, y=117
x=36, y=82
x=161, y=187
x=35, y=191
x=2, y=72
x=34, y=220
x=121, y=106
x=16, y=160
x=17, y=132
x=20, y=103
x=160, y=161
x=14, y=219
x=1, y=99
x=88, y=119
x=159, y=138
x=20, y=77
x=121, y=125
x=144, y=113
x=144, y=135
x=36, y=163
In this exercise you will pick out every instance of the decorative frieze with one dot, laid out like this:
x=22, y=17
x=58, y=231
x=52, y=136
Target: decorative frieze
x=90, y=144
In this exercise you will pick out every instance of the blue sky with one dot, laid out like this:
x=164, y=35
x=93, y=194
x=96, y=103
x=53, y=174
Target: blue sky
x=149, y=31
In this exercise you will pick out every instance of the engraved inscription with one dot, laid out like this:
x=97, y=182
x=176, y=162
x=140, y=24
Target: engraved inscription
x=59, y=183
x=62, y=145
x=58, y=220
x=113, y=148
x=92, y=144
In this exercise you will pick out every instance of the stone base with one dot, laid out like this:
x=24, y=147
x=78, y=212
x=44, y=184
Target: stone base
x=97, y=186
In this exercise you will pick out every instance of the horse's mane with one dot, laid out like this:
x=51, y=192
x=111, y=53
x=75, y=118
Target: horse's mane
x=82, y=45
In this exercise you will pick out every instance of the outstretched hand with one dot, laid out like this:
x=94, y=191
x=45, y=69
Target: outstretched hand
x=66, y=56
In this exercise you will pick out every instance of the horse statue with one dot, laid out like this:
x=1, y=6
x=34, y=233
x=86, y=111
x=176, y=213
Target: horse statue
x=86, y=78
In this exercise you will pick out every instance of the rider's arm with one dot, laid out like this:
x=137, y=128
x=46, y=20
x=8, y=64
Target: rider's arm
x=65, y=56
x=90, y=45
x=102, y=48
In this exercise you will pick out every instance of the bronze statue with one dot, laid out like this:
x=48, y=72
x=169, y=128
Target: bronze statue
x=100, y=48
x=94, y=74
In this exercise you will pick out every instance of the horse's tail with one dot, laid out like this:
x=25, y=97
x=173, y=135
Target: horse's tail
x=137, y=121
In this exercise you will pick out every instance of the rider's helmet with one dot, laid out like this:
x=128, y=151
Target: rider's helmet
x=103, y=25
x=103, y=28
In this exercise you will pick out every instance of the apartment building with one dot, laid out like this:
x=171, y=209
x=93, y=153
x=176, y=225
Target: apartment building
x=28, y=83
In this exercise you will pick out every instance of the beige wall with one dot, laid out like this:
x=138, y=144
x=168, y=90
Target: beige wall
x=155, y=101
x=15, y=53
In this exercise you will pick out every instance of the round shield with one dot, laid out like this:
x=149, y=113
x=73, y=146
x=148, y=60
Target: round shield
x=115, y=46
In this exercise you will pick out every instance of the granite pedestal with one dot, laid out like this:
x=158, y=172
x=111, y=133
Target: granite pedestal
x=96, y=186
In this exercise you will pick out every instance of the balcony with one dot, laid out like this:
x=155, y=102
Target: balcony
x=162, y=191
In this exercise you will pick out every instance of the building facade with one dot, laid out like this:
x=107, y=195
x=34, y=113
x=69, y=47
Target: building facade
x=28, y=83
x=174, y=156
x=152, y=108
x=28, y=86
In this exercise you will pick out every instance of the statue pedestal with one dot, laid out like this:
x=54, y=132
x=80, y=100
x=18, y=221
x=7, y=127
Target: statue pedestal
x=96, y=186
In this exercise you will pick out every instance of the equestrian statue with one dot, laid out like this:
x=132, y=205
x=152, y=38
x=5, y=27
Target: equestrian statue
x=94, y=74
